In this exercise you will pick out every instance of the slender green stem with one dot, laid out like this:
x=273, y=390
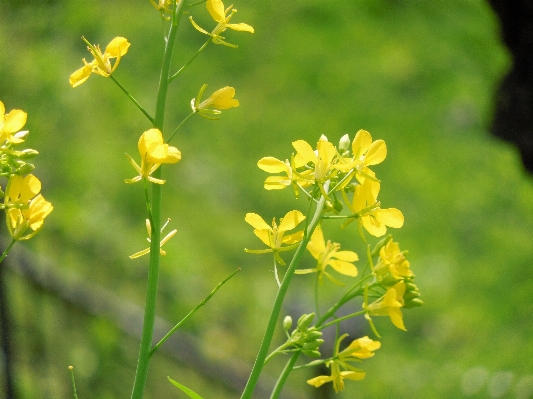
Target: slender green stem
x=71, y=369
x=276, y=309
x=284, y=375
x=180, y=125
x=341, y=319
x=132, y=99
x=153, y=272
x=202, y=303
x=191, y=60
x=13, y=241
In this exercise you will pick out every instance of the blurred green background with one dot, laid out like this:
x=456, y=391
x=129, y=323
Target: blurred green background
x=418, y=74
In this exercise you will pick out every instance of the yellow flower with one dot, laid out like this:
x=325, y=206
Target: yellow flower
x=101, y=64
x=365, y=153
x=390, y=305
x=220, y=99
x=392, y=261
x=216, y=9
x=153, y=152
x=274, y=237
x=293, y=177
x=11, y=123
x=374, y=219
x=328, y=254
x=163, y=6
x=359, y=349
x=25, y=207
x=163, y=241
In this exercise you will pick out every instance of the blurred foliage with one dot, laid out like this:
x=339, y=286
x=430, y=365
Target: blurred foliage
x=418, y=74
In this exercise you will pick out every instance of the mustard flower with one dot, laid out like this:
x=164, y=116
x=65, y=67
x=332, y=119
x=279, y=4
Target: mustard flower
x=10, y=124
x=274, y=237
x=292, y=176
x=322, y=159
x=154, y=152
x=25, y=207
x=359, y=349
x=365, y=153
x=390, y=305
x=328, y=254
x=101, y=64
x=392, y=262
x=220, y=99
x=149, y=239
x=365, y=205
x=163, y=6
x=216, y=9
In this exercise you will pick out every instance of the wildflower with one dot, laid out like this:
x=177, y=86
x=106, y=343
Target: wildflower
x=216, y=9
x=359, y=349
x=163, y=241
x=153, y=152
x=11, y=123
x=322, y=159
x=365, y=153
x=390, y=305
x=163, y=6
x=392, y=262
x=328, y=254
x=220, y=99
x=101, y=64
x=365, y=205
x=274, y=237
x=21, y=190
x=25, y=207
x=293, y=177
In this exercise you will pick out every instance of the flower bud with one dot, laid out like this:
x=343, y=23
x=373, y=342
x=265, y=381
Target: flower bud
x=287, y=323
x=344, y=144
x=305, y=321
x=24, y=169
x=413, y=303
x=28, y=154
x=311, y=353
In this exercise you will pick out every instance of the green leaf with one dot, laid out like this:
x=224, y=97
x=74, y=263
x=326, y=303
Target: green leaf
x=189, y=392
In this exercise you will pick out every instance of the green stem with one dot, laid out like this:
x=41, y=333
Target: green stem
x=180, y=125
x=191, y=60
x=278, y=302
x=7, y=250
x=132, y=99
x=284, y=375
x=153, y=272
x=202, y=303
x=341, y=319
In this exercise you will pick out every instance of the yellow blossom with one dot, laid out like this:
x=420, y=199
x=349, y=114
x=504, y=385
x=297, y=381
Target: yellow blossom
x=374, y=219
x=154, y=152
x=328, y=254
x=220, y=99
x=292, y=176
x=392, y=261
x=216, y=9
x=359, y=349
x=26, y=208
x=11, y=123
x=101, y=64
x=163, y=241
x=274, y=237
x=365, y=153
x=390, y=305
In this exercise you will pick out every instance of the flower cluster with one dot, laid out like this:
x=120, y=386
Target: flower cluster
x=341, y=182
x=25, y=207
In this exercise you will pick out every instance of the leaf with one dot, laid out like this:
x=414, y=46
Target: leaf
x=189, y=392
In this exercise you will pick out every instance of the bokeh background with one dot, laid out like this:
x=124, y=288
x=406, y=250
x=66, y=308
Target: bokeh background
x=419, y=74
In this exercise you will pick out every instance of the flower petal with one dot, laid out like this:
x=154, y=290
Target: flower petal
x=271, y=165
x=256, y=221
x=291, y=220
